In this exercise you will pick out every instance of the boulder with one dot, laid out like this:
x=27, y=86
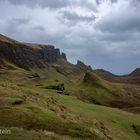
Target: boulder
x=56, y=87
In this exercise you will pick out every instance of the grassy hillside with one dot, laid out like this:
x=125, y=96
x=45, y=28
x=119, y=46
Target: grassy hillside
x=55, y=100
x=31, y=111
x=91, y=88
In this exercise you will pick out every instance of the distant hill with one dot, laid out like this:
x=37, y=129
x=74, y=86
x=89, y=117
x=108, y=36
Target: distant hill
x=136, y=72
x=132, y=78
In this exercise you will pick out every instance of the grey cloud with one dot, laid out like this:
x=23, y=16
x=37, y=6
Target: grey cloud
x=116, y=37
x=121, y=20
x=88, y=4
x=15, y=23
x=123, y=23
x=42, y=3
x=55, y=4
x=75, y=17
x=19, y=21
x=39, y=28
x=22, y=30
x=100, y=1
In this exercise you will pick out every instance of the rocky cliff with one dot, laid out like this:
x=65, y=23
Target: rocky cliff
x=29, y=55
x=83, y=66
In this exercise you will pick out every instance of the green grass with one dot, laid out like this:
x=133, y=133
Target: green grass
x=62, y=115
x=28, y=109
x=99, y=91
x=38, y=115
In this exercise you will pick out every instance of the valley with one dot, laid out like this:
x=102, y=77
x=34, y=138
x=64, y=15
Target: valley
x=44, y=97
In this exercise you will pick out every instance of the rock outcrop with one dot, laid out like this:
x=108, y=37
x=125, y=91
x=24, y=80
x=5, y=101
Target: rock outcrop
x=59, y=86
x=87, y=77
x=29, y=55
x=83, y=66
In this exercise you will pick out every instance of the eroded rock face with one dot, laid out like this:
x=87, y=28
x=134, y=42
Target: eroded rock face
x=87, y=77
x=50, y=54
x=64, y=56
x=83, y=66
x=27, y=57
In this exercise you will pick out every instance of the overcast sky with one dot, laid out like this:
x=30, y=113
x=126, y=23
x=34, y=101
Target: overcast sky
x=102, y=33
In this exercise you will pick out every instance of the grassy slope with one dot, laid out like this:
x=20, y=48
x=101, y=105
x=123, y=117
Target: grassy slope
x=28, y=109
x=97, y=90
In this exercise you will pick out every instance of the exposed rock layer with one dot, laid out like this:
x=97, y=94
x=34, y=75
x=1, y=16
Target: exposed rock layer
x=27, y=56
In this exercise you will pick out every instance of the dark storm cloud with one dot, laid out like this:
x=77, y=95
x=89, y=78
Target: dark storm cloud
x=121, y=22
x=122, y=18
x=54, y=4
x=41, y=3
x=100, y=1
